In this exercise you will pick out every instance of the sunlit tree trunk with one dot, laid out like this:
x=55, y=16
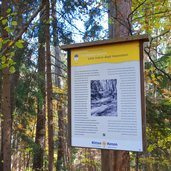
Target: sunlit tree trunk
x=60, y=148
x=119, y=26
x=120, y=18
x=40, y=126
x=49, y=92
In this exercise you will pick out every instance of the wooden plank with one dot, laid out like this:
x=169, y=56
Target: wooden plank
x=69, y=95
x=143, y=109
x=143, y=38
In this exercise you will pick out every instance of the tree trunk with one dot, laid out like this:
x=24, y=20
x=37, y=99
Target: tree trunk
x=60, y=149
x=40, y=127
x=60, y=159
x=119, y=11
x=6, y=104
x=7, y=121
x=119, y=14
x=1, y=145
x=49, y=93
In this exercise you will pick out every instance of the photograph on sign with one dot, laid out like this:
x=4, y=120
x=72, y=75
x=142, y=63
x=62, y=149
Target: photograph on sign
x=106, y=97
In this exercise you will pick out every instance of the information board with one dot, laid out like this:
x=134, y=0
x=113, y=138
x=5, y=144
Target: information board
x=106, y=96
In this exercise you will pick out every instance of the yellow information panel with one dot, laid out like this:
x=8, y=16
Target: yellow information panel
x=124, y=52
x=106, y=97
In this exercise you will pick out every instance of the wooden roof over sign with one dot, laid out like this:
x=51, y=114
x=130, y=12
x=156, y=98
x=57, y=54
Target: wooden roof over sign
x=143, y=38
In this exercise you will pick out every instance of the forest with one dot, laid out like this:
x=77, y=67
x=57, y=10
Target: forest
x=34, y=82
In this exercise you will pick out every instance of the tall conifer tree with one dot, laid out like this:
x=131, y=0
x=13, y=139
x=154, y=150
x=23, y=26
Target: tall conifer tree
x=41, y=112
x=119, y=26
x=6, y=102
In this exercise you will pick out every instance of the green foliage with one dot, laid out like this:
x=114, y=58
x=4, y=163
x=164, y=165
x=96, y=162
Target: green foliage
x=14, y=23
x=158, y=109
x=4, y=21
x=31, y=145
x=19, y=44
x=92, y=25
x=86, y=159
x=84, y=11
x=12, y=69
x=10, y=25
x=25, y=93
x=7, y=62
x=151, y=15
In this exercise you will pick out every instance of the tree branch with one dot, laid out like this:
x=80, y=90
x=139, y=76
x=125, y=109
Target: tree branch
x=136, y=9
x=153, y=62
x=61, y=62
x=5, y=50
x=153, y=14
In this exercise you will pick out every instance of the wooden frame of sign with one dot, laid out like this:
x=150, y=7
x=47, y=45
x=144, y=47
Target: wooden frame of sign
x=106, y=94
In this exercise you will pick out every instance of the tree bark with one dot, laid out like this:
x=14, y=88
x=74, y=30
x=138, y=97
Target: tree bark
x=7, y=121
x=49, y=92
x=119, y=26
x=119, y=15
x=60, y=149
x=1, y=133
x=6, y=103
x=40, y=126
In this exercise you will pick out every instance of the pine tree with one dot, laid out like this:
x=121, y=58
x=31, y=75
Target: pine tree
x=41, y=112
x=118, y=27
x=6, y=103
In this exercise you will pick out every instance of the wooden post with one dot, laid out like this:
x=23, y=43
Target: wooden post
x=119, y=11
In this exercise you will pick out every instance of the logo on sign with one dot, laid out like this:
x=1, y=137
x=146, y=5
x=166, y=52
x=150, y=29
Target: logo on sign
x=104, y=144
x=76, y=57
